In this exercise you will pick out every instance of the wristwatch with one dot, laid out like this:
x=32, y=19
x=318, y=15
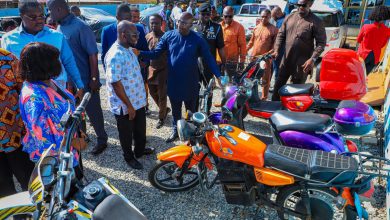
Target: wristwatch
x=94, y=78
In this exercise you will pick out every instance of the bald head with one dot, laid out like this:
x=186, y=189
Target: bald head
x=185, y=23
x=57, y=4
x=276, y=12
x=58, y=9
x=127, y=34
x=228, y=9
x=186, y=16
x=125, y=26
x=228, y=13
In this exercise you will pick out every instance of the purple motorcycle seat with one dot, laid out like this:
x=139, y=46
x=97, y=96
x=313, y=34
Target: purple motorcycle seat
x=314, y=164
x=296, y=89
x=283, y=120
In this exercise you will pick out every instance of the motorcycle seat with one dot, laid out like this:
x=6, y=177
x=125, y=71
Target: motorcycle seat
x=313, y=164
x=296, y=89
x=283, y=120
x=114, y=207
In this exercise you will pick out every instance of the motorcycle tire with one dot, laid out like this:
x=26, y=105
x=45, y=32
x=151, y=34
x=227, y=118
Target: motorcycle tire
x=320, y=208
x=153, y=174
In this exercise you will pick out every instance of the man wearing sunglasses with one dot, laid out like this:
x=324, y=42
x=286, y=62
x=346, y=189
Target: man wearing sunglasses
x=303, y=38
x=234, y=40
x=33, y=29
x=183, y=47
x=212, y=33
x=126, y=92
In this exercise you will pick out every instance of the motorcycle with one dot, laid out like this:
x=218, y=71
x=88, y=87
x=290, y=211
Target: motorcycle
x=55, y=193
x=342, y=77
x=299, y=129
x=308, y=184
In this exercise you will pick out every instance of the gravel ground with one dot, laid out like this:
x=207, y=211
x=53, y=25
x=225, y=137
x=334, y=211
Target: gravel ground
x=193, y=204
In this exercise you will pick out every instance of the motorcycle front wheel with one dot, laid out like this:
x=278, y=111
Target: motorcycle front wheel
x=321, y=203
x=165, y=176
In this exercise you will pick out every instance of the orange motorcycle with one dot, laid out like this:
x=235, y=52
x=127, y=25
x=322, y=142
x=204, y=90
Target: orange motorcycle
x=308, y=184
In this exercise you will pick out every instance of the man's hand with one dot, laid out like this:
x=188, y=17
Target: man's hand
x=94, y=85
x=131, y=111
x=274, y=54
x=142, y=64
x=308, y=65
x=79, y=94
x=219, y=82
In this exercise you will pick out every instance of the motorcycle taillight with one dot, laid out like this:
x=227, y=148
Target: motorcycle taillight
x=351, y=146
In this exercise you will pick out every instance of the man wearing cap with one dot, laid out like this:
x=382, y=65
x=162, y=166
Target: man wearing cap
x=213, y=34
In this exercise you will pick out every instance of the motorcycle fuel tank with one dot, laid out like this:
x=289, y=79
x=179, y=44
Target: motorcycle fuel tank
x=245, y=147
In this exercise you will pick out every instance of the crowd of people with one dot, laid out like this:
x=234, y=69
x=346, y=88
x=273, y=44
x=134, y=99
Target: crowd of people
x=47, y=63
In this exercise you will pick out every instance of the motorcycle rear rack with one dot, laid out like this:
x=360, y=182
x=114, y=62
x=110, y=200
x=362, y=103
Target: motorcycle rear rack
x=369, y=171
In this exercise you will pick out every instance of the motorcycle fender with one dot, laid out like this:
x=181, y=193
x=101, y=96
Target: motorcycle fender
x=179, y=154
x=19, y=203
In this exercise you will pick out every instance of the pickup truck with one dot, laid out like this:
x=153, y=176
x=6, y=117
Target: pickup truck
x=247, y=16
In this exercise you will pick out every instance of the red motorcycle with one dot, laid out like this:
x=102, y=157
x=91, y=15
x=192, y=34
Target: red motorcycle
x=342, y=77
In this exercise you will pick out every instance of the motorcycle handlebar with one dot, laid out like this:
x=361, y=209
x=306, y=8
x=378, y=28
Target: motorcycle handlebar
x=84, y=102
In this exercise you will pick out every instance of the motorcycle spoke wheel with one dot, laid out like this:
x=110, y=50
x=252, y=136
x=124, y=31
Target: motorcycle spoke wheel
x=166, y=177
x=321, y=203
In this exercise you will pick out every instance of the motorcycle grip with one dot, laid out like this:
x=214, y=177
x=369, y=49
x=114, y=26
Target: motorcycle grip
x=83, y=104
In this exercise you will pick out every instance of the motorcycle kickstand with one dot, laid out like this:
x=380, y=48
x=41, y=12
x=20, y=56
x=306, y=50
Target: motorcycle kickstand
x=306, y=199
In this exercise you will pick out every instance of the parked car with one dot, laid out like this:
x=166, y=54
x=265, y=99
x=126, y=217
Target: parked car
x=331, y=13
x=145, y=14
x=96, y=19
x=247, y=16
x=250, y=12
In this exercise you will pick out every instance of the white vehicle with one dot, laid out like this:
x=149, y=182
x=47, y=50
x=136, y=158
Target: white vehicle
x=248, y=15
x=250, y=12
x=331, y=13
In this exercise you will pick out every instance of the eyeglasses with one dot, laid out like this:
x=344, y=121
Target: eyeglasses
x=301, y=5
x=228, y=16
x=136, y=34
x=205, y=13
x=183, y=22
x=35, y=18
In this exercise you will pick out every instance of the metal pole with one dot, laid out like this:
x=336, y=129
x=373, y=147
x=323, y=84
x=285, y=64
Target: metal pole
x=364, y=14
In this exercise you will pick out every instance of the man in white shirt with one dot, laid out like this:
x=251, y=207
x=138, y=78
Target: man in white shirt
x=126, y=94
x=190, y=7
x=176, y=13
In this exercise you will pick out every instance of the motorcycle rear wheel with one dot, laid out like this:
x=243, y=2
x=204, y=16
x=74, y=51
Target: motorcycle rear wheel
x=321, y=203
x=178, y=184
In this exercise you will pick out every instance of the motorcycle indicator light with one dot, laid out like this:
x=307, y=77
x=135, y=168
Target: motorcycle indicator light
x=299, y=104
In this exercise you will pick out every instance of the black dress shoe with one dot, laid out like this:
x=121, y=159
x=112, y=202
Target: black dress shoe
x=99, y=149
x=172, y=137
x=160, y=123
x=133, y=163
x=147, y=151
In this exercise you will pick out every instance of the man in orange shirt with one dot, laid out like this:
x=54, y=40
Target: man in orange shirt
x=262, y=41
x=234, y=39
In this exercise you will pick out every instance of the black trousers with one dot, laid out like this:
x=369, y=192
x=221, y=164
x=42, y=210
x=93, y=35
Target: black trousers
x=370, y=62
x=132, y=129
x=297, y=77
x=176, y=109
x=18, y=164
x=95, y=115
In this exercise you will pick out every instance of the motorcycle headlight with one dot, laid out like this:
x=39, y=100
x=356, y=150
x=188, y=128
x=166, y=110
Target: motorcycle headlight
x=185, y=130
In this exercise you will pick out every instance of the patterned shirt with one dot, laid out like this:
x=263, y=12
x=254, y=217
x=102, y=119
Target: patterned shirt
x=122, y=65
x=41, y=108
x=11, y=124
